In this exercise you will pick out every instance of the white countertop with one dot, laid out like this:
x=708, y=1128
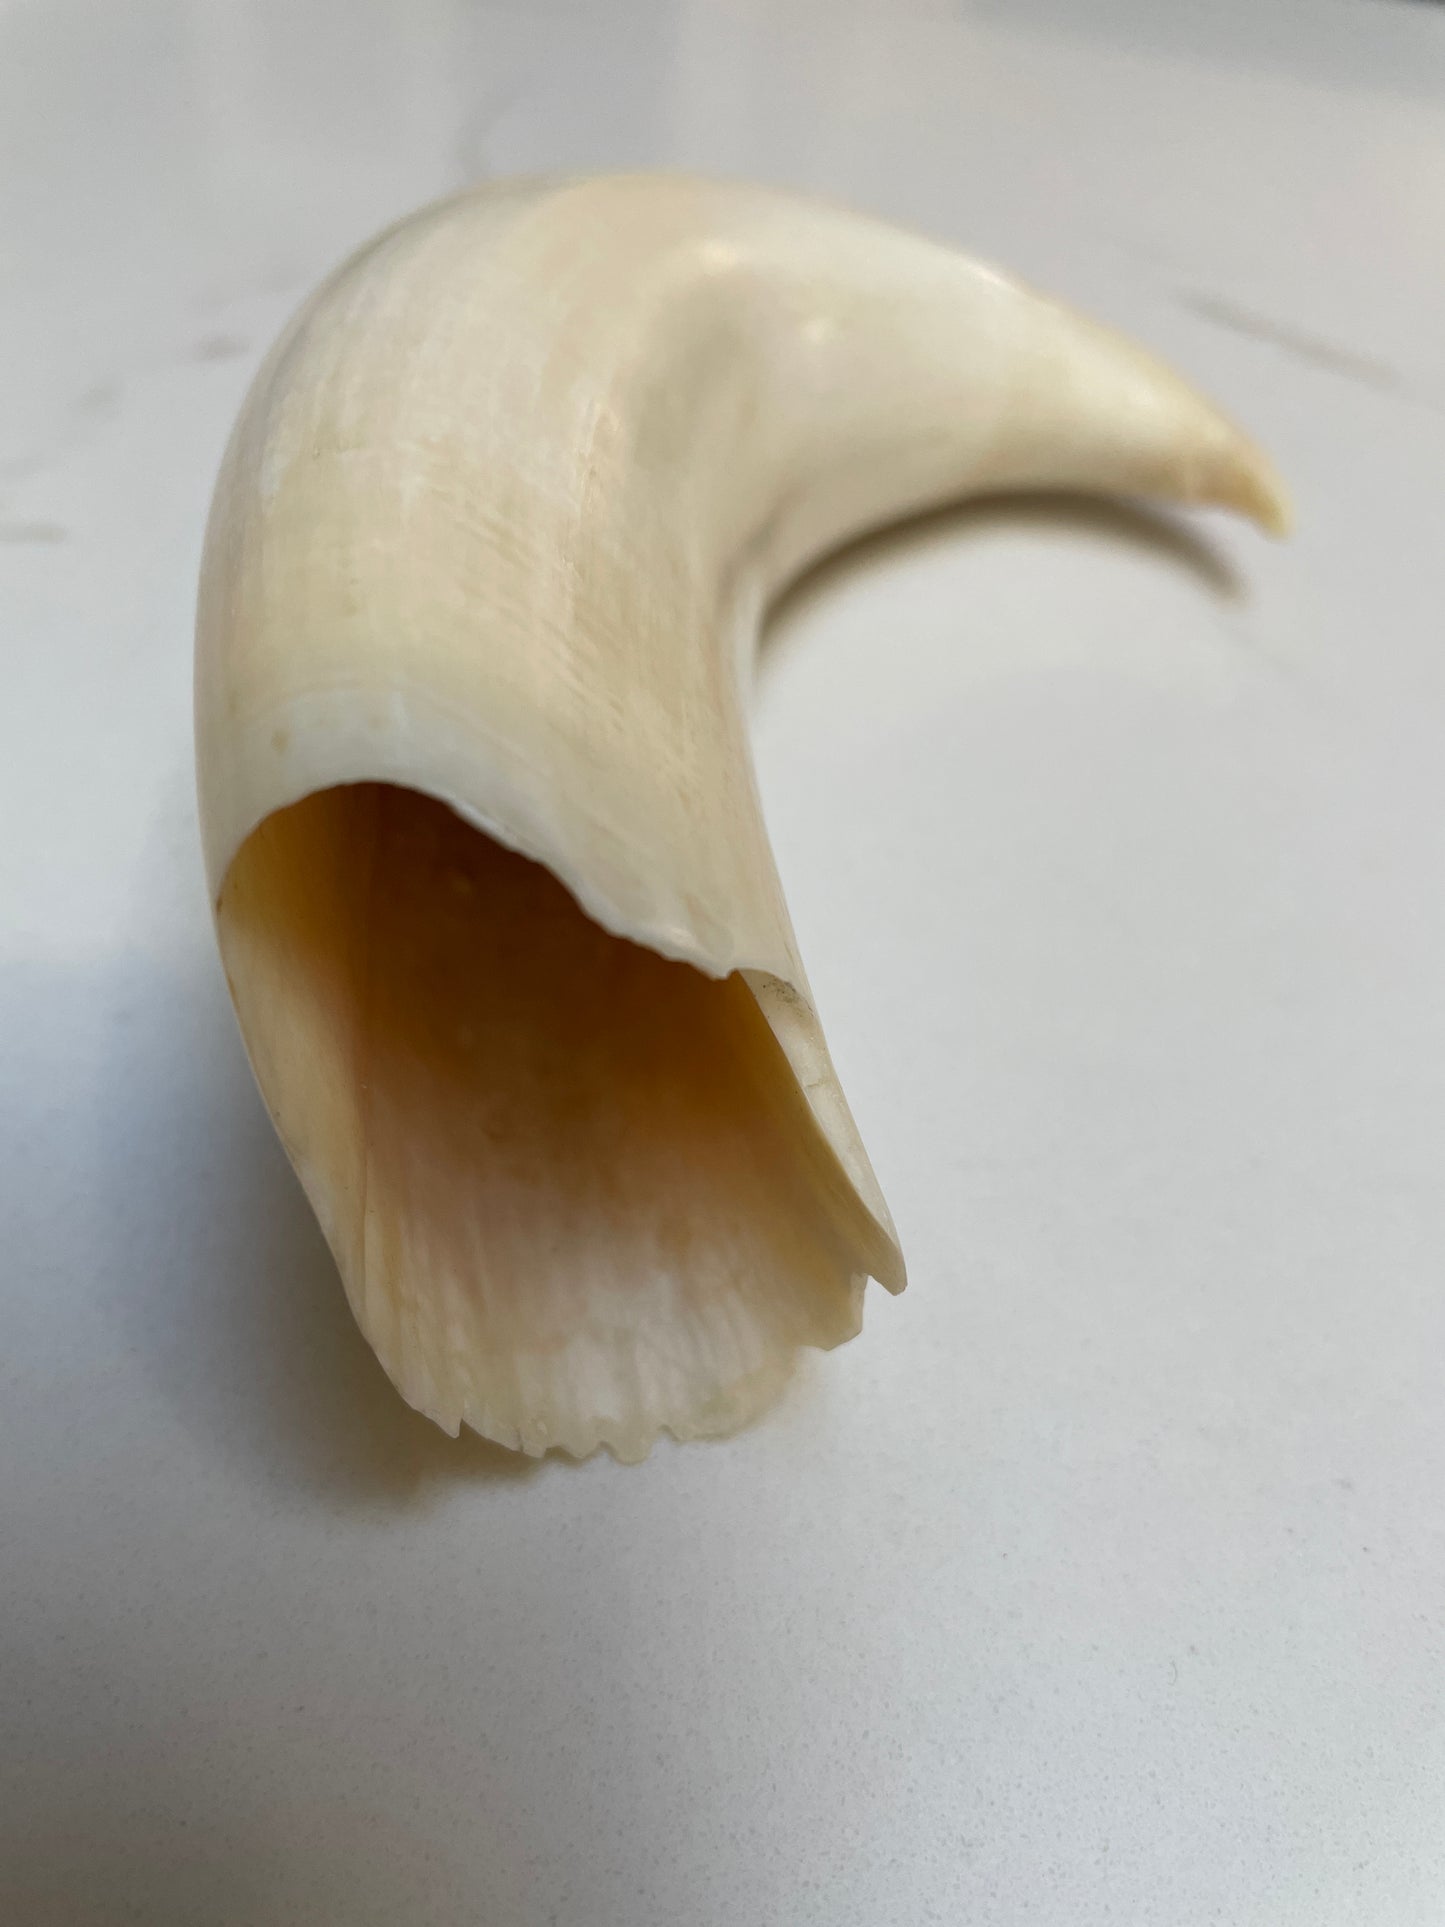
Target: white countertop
x=1103, y=1578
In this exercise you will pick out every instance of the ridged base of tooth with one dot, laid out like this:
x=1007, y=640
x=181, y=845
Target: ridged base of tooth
x=574, y=1190
x=581, y=1404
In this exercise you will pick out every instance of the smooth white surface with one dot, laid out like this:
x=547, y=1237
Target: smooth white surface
x=1103, y=1579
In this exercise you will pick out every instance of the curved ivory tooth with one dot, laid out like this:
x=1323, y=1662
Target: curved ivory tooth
x=497, y=908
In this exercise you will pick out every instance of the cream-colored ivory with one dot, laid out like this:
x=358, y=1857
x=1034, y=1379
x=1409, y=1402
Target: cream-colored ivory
x=487, y=555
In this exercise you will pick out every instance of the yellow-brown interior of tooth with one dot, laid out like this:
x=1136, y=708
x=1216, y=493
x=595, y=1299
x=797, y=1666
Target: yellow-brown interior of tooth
x=573, y=1189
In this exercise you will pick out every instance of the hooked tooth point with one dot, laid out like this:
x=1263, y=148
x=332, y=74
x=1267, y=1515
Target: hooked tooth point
x=502, y=925
x=1260, y=493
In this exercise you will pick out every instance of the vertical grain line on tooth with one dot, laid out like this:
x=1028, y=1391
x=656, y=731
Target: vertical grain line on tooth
x=372, y=1313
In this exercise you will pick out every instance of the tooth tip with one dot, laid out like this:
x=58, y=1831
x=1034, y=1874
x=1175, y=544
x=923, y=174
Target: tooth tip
x=1266, y=501
x=1250, y=484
